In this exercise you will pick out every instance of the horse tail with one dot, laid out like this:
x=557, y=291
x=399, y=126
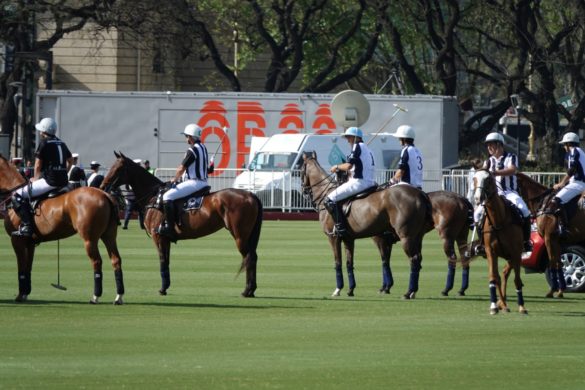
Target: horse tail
x=428, y=209
x=470, y=220
x=254, y=238
x=114, y=210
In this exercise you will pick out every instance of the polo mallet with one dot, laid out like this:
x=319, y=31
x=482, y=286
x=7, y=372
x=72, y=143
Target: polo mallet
x=398, y=109
x=58, y=285
x=225, y=131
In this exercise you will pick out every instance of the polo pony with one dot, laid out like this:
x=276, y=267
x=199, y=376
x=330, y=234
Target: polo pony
x=502, y=236
x=400, y=213
x=89, y=212
x=238, y=211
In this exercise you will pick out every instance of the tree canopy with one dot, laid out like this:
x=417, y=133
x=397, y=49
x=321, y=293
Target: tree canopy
x=481, y=51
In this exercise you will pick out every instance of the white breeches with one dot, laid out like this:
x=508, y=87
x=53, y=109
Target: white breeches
x=571, y=190
x=349, y=188
x=37, y=188
x=184, y=189
x=512, y=197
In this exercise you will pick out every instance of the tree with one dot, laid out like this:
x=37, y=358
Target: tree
x=18, y=25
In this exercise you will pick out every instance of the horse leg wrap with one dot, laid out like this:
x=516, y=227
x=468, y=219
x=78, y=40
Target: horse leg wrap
x=554, y=281
x=415, y=267
x=350, y=277
x=387, y=279
x=119, y=276
x=165, y=275
x=464, y=279
x=97, y=283
x=493, y=297
x=339, y=276
x=561, y=278
x=24, y=283
x=520, y=297
x=450, y=277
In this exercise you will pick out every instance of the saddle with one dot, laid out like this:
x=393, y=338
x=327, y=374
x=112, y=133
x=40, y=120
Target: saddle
x=346, y=203
x=517, y=217
x=34, y=203
x=191, y=202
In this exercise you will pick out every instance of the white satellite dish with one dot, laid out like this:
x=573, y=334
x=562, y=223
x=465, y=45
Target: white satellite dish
x=350, y=108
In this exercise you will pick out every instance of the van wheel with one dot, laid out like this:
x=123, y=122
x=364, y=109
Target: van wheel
x=573, y=261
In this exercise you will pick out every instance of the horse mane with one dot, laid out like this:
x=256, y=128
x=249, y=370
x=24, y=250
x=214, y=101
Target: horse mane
x=142, y=174
x=14, y=173
x=527, y=183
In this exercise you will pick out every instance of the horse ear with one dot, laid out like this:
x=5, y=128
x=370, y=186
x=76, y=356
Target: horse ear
x=314, y=154
x=116, y=154
x=122, y=155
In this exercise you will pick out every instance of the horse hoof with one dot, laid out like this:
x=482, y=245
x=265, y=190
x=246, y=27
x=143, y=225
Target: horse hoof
x=336, y=292
x=494, y=311
x=445, y=293
x=21, y=298
x=522, y=310
x=350, y=293
x=162, y=292
x=248, y=294
x=560, y=295
x=550, y=294
x=461, y=293
x=409, y=295
x=118, y=300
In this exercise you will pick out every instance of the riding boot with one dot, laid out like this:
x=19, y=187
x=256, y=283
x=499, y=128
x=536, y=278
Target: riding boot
x=22, y=207
x=336, y=212
x=561, y=213
x=527, y=230
x=479, y=248
x=167, y=228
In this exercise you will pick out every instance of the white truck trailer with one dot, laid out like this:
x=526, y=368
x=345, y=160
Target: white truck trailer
x=146, y=125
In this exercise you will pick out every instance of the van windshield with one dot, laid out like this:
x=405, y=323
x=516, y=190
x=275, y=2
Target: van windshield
x=272, y=161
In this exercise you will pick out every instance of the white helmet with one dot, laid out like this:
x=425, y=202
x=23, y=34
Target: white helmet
x=47, y=125
x=354, y=132
x=193, y=130
x=570, y=138
x=494, y=137
x=404, y=131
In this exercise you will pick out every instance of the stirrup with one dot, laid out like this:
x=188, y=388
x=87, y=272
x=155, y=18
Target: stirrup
x=167, y=231
x=23, y=231
x=339, y=230
x=479, y=250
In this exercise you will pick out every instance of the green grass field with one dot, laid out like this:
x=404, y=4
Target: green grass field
x=292, y=336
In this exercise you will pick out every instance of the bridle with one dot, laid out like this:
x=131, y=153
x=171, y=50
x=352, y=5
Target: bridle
x=122, y=177
x=325, y=184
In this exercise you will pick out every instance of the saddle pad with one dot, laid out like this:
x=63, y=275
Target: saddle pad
x=193, y=203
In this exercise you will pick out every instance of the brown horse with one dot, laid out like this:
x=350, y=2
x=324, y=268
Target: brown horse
x=90, y=212
x=538, y=198
x=452, y=218
x=502, y=237
x=396, y=213
x=240, y=212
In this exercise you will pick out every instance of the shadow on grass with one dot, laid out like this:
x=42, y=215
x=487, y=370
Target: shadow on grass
x=37, y=303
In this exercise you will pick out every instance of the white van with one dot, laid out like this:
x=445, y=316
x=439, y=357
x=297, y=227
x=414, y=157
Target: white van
x=274, y=169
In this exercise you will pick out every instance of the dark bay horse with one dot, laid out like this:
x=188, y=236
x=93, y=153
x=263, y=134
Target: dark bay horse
x=400, y=213
x=538, y=198
x=452, y=218
x=90, y=212
x=502, y=237
x=239, y=211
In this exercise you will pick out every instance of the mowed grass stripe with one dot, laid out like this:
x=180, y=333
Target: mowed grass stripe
x=293, y=335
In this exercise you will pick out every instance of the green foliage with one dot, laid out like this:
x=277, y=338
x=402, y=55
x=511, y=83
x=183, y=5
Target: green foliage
x=292, y=336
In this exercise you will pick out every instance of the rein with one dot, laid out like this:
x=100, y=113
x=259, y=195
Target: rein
x=10, y=191
x=489, y=195
x=308, y=190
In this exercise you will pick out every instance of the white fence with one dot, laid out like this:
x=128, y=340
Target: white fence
x=456, y=180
